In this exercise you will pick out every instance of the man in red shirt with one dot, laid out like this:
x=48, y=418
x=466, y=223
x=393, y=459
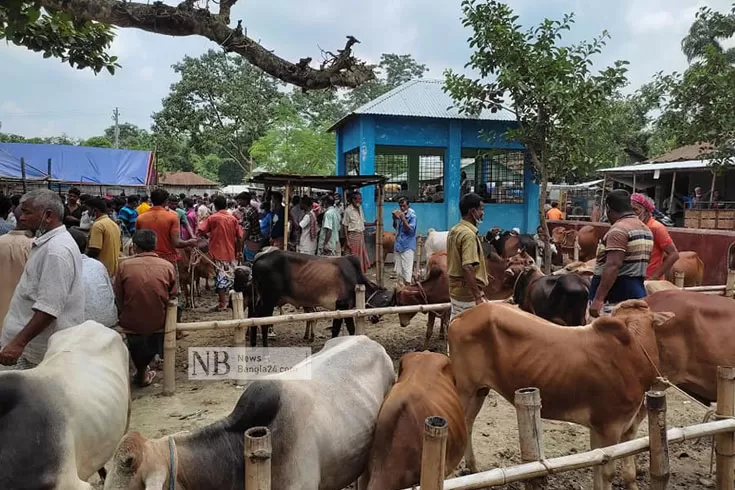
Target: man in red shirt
x=664, y=253
x=225, y=247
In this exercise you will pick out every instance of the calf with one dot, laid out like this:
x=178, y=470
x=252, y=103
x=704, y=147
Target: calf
x=435, y=241
x=596, y=375
x=691, y=265
x=433, y=289
x=347, y=382
x=60, y=422
x=560, y=299
x=425, y=388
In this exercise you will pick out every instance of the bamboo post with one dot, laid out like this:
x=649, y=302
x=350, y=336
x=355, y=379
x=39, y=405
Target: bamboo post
x=730, y=286
x=23, y=174
x=671, y=196
x=634, y=175
x=258, y=458
x=169, y=349
x=679, y=279
x=576, y=248
x=602, y=196
x=419, y=251
x=379, y=236
x=287, y=208
x=433, y=453
x=360, y=305
x=238, y=312
x=48, y=173
x=725, y=443
x=657, y=435
x=711, y=194
x=528, y=411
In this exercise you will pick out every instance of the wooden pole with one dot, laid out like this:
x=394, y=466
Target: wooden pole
x=23, y=174
x=634, y=176
x=48, y=174
x=576, y=248
x=433, y=454
x=671, y=196
x=602, y=197
x=725, y=443
x=379, y=236
x=419, y=251
x=659, y=450
x=360, y=305
x=679, y=279
x=528, y=411
x=286, y=223
x=238, y=313
x=258, y=458
x=712, y=189
x=730, y=286
x=169, y=349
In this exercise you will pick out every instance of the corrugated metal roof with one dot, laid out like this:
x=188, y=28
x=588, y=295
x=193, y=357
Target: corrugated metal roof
x=652, y=167
x=422, y=98
x=185, y=179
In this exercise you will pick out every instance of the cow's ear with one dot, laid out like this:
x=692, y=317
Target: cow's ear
x=661, y=317
x=155, y=480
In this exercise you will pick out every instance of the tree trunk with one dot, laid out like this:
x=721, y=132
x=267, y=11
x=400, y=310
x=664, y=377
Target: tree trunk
x=542, y=215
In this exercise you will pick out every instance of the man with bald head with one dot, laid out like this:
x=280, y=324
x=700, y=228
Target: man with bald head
x=50, y=294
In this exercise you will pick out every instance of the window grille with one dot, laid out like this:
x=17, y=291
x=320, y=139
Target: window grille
x=431, y=179
x=395, y=169
x=352, y=162
x=499, y=177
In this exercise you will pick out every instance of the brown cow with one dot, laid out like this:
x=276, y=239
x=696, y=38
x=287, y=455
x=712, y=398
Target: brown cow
x=588, y=238
x=564, y=239
x=697, y=340
x=389, y=242
x=596, y=375
x=656, y=286
x=691, y=265
x=425, y=388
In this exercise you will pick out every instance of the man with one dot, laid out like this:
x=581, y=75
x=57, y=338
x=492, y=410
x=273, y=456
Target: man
x=168, y=233
x=329, y=235
x=295, y=215
x=144, y=205
x=404, y=222
x=50, y=294
x=225, y=247
x=105, y=242
x=664, y=254
x=6, y=208
x=143, y=286
x=354, y=225
x=622, y=257
x=174, y=205
x=73, y=209
x=309, y=235
x=14, y=249
x=277, y=220
x=698, y=199
x=466, y=266
x=554, y=214
x=129, y=214
x=99, y=300
x=250, y=225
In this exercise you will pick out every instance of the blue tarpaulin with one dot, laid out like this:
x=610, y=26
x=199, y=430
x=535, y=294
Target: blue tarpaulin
x=78, y=164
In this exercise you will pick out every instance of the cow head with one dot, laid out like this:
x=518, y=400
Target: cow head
x=415, y=294
x=378, y=297
x=515, y=265
x=139, y=464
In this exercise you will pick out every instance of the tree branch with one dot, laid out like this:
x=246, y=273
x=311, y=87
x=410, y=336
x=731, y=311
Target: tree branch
x=343, y=70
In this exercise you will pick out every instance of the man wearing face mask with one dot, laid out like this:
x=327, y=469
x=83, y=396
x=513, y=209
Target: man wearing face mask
x=466, y=266
x=50, y=294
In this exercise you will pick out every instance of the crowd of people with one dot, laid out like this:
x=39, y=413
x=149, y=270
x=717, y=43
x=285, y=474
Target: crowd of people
x=117, y=260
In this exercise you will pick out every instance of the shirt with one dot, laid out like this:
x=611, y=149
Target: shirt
x=77, y=213
x=5, y=226
x=14, y=249
x=105, y=237
x=405, y=240
x=554, y=214
x=464, y=248
x=277, y=223
x=128, y=216
x=354, y=219
x=223, y=230
x=99, y=300
x=331, y=222
x=51, y=283
x=143, y=286
x=165, y=224
x=251, y=223
x=306, y=244
x=661, y=239
x=142, y=208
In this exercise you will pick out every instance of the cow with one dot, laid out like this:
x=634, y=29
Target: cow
x=340, y=398
x=691, y=265
x=560, y=299
x=656, y=286
x=309, y=281
x=435, y=241
x=611, y=361
x=192, y=267
x=583, y=269
x=61, y=421
x=509, y=243
x=425, y=388
x=389, y=242
x=697, y=340
x=588, y=238
x=564, y=239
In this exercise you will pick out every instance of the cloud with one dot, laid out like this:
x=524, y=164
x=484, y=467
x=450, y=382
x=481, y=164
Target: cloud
x=10, y=107
x=146, y=73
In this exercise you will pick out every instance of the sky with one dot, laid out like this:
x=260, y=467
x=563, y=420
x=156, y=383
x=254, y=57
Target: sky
x=44, y=97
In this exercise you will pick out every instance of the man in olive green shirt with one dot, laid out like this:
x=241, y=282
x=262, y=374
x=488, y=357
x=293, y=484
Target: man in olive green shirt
x=466, y=266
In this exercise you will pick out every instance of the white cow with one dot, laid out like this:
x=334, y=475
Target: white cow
x=435, y=241
x=321, y=428
x=61, y=421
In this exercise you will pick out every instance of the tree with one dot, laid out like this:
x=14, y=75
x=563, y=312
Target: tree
x=97, y=142
x=130, y=136
x=221, y=105
x=395, y=69
x=84, y=42
x=552, y=92
x=709, y=29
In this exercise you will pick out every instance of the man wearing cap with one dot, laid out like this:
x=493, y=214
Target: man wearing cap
x=664, y=254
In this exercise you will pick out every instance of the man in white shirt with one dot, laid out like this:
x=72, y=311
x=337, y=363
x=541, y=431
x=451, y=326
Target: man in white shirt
x=309, y=236
x=50, y=294
x=99, y=298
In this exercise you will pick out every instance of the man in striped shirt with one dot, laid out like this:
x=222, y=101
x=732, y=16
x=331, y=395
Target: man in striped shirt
x=622, y=256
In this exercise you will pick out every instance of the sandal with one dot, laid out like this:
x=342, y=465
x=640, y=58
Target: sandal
x=148, y=378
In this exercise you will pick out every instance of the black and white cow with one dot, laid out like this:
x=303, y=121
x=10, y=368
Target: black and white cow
x=321, y=428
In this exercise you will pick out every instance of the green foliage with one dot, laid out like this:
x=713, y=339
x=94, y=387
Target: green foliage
x=64, y=139
x=130, y=136
x=97, y=142
x=709, y=29
x=82, y=44
x=394, y=69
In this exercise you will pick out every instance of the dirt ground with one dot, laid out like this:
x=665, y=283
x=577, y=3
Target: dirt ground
x=197, y=403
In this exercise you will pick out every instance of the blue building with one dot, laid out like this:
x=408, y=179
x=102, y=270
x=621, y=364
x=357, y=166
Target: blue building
x=417, y=138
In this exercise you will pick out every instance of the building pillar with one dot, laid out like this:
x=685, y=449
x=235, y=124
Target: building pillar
x=340, y=156
x=531, y=195
x=452, y=173
x=367, y=164
x=413, y=171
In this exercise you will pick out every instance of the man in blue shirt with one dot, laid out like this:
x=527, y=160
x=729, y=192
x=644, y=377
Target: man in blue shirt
x=128, y=214
x=404, y=222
